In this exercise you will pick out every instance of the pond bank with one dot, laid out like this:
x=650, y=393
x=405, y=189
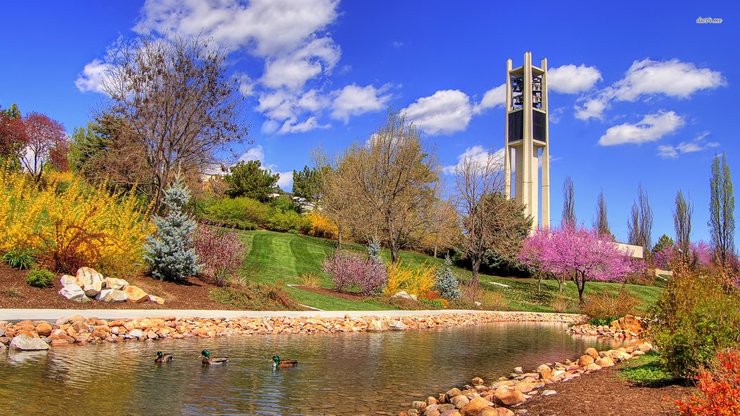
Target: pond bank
x=85, y=327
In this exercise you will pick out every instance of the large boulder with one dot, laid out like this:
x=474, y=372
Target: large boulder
x=69, y=280
x=44, y=329
x=25, y=342
x=135, y=294
x=508, y=397
x=592, y=352
x=74, y=292
x=629, y=323
x=90, y=280
x=113, y=283
x=402, y=294
x=111, y=295
x=585, y=360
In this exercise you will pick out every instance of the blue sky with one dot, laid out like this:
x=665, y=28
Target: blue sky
x=640, y=93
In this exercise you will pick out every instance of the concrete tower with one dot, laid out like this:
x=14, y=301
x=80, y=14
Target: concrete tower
x=527, y=139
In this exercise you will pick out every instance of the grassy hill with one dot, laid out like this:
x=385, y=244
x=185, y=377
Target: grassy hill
x=275, y=257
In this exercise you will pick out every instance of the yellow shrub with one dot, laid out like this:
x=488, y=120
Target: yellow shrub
x=69, y=223
x=415, y=281
x=322, y=226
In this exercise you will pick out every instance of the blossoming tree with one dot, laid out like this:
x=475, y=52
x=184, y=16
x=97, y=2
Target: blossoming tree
x=577, y=254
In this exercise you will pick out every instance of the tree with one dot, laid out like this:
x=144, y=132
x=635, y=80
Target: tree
x=682, y=224
x=601, y=223
x=640, y=223
x=170, y=252
x=722, y=211
x=444, y=227
x=13, y=137
x=307, y=183
x=491, y=223
x=386, y=186
x=44, y=136
x=577, y=254
x=250, y=180
x=569, y=203
x=446, y=284
x=663, y=252
x=176, y=102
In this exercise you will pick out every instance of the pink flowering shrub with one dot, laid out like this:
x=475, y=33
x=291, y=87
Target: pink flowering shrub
x=220, y=253
x=701, y=254
x=349, y=270
x=576, y=254
x=663, y=258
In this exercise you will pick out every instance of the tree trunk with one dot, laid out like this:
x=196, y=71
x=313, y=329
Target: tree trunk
x=394, y=251
x=475, y=266
x=581, y=285
x=435, y=251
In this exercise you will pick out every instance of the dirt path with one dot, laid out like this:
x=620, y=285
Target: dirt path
x=604, y=393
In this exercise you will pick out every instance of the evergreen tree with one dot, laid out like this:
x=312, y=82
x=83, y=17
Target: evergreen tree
x=373, y=251
x=170, y=252
x=447, y=284
x=250, y=180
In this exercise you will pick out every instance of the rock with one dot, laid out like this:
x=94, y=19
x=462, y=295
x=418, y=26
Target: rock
x=645, y=347
x=398, y=325
x=544, y=371
x=585, y=360
x=592, y=353
x=518, y=370
x=402, y=294
x=628, y=323
x=453, y=392
x=592, y=367
x=136, y=333
x=90, y=281
x=74, y=292
x=548, y=392
x=112, y=295
x=24, y=342
x=420, y=405
x=477, y=381
x=604, y=362
x=459, y=401
x=156, y=299
x=375, y=326
x=135, y=295
x=44, y=329
x=113, y=283
x=475, y=406
x=69, y=280
x=497, y=411
x=431, y=401
x=508, y=397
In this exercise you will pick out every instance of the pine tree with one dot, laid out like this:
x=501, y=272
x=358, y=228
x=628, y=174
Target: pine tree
x=373, y=251
x=170, y=251
x=447, y=284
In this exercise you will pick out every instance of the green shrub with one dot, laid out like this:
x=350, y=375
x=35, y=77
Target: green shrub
x=283, y=203
x=242, y=213
x=433, y=303
x=40, y=278
x=694, y=319
x=446, y=283
x=286, y=220
x=19, y=258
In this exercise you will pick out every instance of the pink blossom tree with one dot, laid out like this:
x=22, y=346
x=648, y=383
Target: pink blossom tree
x=576, y=254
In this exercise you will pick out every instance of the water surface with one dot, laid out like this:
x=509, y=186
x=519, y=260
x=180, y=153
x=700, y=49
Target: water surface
x=340, y=374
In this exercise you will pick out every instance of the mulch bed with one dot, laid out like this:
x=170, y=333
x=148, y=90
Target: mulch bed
x=603, y=393
x=16, y=293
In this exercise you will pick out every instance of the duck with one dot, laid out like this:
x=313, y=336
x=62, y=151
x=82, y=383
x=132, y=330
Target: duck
x=278, y=363
x=163, y=357
x=207, y=360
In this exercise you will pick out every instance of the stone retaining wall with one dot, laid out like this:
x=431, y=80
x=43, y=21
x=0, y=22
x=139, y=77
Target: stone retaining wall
x=78, y=330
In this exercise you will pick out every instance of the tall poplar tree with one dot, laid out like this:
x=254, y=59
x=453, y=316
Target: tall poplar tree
x=722, y=211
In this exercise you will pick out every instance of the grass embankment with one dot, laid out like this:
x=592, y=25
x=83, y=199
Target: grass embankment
x=646, y=370
x=275, y=257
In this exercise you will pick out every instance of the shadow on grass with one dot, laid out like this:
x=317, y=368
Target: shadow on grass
x=648, y=371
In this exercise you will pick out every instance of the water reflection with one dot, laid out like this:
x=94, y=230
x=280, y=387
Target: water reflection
x=338, y=374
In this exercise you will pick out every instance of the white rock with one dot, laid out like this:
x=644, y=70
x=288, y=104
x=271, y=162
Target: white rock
x=113, y=283
x=112, y=295
x=136, y=333
x=398, y=325
x=402, y=294
x=90, y=280
x=548, y=392
x=74, y=292
x=69, y=280
x=25, y=343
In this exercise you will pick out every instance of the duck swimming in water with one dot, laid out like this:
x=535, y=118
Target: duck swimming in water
x=163, y=357
x=278, y=363
x=207, y=360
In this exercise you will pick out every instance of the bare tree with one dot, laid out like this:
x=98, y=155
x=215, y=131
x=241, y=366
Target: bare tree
x=601, y=223
x=640, y=223
x=569, y=204
x=444, y=227
x=682, y=223
x=176, y=103
x=722, y=211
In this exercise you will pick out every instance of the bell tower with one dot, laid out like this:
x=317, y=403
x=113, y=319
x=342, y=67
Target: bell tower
x=527, y=139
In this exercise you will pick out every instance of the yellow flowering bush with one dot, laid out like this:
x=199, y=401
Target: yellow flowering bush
x=69, y=224
x=415, y=281
x=321, y=226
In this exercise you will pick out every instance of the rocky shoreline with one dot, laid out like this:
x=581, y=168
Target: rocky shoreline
x=501, y=396
x=78, y=330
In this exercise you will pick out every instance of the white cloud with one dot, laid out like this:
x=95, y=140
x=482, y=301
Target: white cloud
x=480, y=157
x=354, y=100
x=253, y=153
x=446, y=111
x=571, y=79
x=645, y=78
x=652, y=127
x=698, y=144
x=92, y=77
x=267, y=27
x=285, y=181
x=284, y=105
x=311, y=123
x=295, y=69
x=491, y=99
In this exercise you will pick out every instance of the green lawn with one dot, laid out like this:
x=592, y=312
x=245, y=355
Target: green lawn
x=275, y=257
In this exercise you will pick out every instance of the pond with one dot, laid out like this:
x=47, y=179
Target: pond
x=342, y=374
